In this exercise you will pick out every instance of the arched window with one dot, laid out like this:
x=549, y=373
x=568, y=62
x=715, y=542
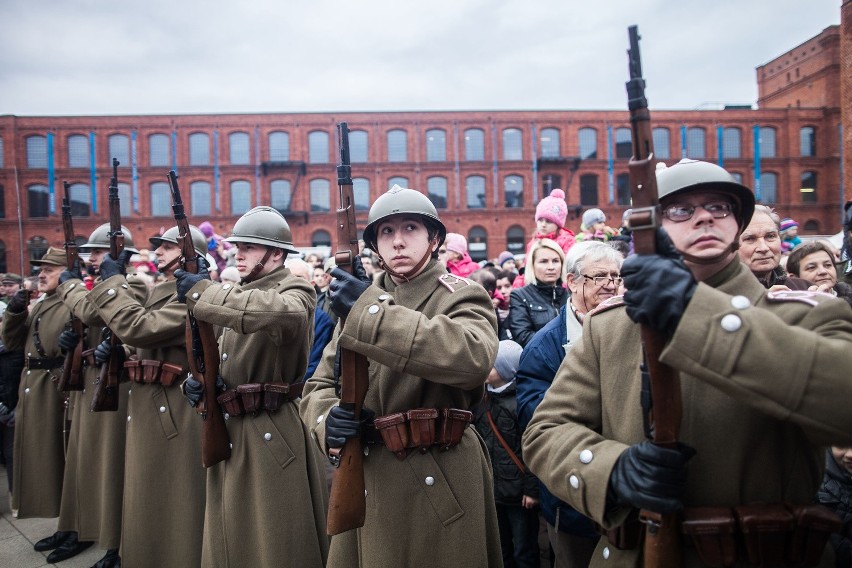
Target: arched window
x=474, y=144
x=2, y=204
x=200, y=198
x=158, y=150
x=318, y=147
x=515, y=239
x=475, y=191
x=361, y=193
x=358, y=149
x=36, y=247
x=550, y=143
x=279, y=147
x=240, y=197
x=731, y=143
x=36, y=152
x=398, y=180
x=126, y=200
x=161, y=199
x=512, y=144
x=238, y=148
x=588, y=141
x=321, y=238
x=622, y=183
x=513, y=191
x=623, y=143
x=477, y=244
x=199, y=149
x=436, y=145
x=589, y=189
x=662, y=143
x=81, y=200
x=38, y=201
x=119, y=148
x=2, y=256
x=695, y=144
x=767, y=142
x=280, y=195
x=320, y=197
x=808, y=187
x=768, y=187
x=812, y=226
x=78, y=151
x=807, y=141
x=397, y=146
x=436, y=188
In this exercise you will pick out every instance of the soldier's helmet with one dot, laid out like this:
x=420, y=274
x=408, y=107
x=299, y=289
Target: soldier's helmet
x=199, y=243
x=690, y=175
x=263, y=226
x=99, y=239
x=400, y=200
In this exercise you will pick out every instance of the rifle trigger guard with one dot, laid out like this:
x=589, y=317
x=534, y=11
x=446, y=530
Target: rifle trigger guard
x=644, y=218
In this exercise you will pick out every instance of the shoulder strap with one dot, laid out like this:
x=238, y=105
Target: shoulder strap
x=502, y=441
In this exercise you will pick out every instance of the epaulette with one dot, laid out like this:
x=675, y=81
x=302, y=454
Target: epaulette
x=801, y=296
x=451, y=281
x=613, y=302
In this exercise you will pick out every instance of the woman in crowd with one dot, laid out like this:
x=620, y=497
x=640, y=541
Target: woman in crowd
x=539, y=300
x=814, y=262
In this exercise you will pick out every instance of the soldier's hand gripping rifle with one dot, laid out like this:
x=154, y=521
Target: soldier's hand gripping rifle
x=105, y=397
x=347, y=506
x=202, y=349
x=664, y=408
x=72, y=376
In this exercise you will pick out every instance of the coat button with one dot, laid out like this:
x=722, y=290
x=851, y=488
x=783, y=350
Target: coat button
x=731, y=322
x=227, y=416
x=586, y=456
x=231, y=445
x=605, y=553
x=226, y=287
x=27, y=390
x=128, y=419
x=28, y=371
x=29, y=354
x=430, y=481
x=71, y=286
x=383, y=297
x=319, y=418
x=574, y=481
x=224, y=356
x=373, y=309
x=740, y=302
x=195, y=295
x=267, y=436
x=162, y=410
x=366, y=450
x=110, y=292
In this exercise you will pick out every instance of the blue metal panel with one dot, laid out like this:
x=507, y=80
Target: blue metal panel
x=51, y=197
x=94, y=172
x=134, y=173
x=756, y=132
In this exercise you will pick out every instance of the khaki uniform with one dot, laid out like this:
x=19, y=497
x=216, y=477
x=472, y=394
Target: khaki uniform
x=94, y=468
x=266, y=504
x=765, y=385
x=163, y=511
x=39, y=454
x=431, y=342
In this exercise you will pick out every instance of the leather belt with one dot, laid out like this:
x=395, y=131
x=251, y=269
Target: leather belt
x=34, y=363
x=251, y=398
x=149, y=371
x=418, y=428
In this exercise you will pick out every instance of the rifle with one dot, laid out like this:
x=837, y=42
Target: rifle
x=105, y=397
x=664, y=408
x=202, y=350
x=72, y=378
x=347, y=506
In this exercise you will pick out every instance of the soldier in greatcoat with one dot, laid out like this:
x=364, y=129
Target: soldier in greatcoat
x=266, y=504
x=94, y=468
x=430, y=339
x=163, y=510
x=765, y=386
x=39, y=455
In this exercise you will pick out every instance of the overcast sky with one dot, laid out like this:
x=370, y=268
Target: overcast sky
x=84, y=57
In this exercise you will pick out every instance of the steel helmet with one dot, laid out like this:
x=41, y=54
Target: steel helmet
x=399, y=200
x=99, y=239
x=263, y=226
x=199, y=242
x=690, y=175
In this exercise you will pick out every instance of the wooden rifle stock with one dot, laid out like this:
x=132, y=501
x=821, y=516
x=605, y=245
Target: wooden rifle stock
x=105, y=397
x=662, y=534
x=347, y=505
x=202, y=349
x=72, y=375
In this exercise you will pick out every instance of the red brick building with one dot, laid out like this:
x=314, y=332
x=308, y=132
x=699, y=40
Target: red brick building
x=485, y=171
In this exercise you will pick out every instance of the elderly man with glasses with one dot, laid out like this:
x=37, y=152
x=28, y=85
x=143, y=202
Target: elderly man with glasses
x=764, y=386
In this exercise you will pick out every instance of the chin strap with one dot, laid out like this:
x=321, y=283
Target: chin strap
x=171, y=263
x=408, y=275
x=259, y=266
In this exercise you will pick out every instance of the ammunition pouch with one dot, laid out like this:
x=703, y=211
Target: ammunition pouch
x=33, y=363
x=251, y=398
x=419, y=428
x=150, y=371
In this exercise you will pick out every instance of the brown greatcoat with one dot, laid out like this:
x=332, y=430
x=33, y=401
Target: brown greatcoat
x=163, y=510
x=430, y=342
x=765, y=386
x=266, y=504
x=94, y=466
x=39, y=456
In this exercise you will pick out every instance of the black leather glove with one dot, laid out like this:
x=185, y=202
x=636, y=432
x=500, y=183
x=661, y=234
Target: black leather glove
x=193, y=390
x=341, y=424
x=18, y=303
x=186, y=280
x=74, y=274
x=650, y=477
x=347, y=288
x=103, y=352
x=111, y=267
x=68, y=340
x=659, y=286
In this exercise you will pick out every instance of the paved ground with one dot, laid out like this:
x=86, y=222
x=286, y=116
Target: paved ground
x=17, y=537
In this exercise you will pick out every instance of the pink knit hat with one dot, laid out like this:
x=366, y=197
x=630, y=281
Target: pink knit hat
x=553, y=208
x=456, y=243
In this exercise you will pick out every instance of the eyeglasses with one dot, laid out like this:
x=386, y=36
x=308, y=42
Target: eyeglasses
x=681, y=213
x=602, y=280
